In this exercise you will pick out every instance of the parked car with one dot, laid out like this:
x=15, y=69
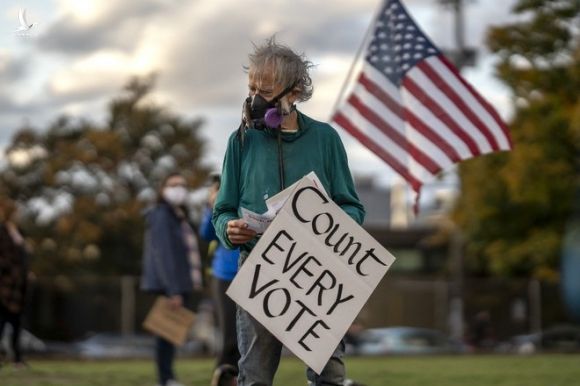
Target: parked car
x=33, y=346
x=565, y=338
x=114, y=345
x=403, y=341
x=28, y=342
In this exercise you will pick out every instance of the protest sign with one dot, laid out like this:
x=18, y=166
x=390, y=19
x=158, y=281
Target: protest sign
x=310, y=274
x=170, y=323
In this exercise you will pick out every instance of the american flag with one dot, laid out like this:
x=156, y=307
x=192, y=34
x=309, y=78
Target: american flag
x=411, y=107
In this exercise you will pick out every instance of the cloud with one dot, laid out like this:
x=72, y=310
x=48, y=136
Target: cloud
x=199, y=48
x=14, y=115
x=84, y=27
x=12, y=69
x=101, y=73
x=11, y=106
x=207, y=62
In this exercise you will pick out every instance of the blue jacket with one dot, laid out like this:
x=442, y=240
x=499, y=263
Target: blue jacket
x=166, y=265
x=224, y=265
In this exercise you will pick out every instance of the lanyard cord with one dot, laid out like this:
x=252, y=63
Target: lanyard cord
x=280, y=161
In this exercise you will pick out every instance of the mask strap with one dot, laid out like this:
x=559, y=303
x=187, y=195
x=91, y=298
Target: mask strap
x=284, y=92
x=292, y=108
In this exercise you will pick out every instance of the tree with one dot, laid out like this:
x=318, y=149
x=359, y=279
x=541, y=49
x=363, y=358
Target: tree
x=514, y=205
x=84, y=187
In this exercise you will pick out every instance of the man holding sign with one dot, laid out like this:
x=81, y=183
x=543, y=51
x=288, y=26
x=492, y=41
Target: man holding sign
x=276, y=146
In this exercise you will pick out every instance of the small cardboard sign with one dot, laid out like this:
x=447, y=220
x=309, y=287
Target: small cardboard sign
x=169, y=323
x=310, y=274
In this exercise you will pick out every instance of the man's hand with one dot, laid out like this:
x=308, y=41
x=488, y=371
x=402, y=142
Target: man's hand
x=238, y=232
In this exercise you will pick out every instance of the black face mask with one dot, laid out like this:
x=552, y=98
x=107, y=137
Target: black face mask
x=258, y=109
x=261, y=114
x=259, y=106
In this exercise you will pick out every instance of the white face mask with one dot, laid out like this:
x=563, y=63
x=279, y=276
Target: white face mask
x=175, y=195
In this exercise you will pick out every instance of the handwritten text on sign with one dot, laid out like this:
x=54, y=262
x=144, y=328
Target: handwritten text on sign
x=310, y=274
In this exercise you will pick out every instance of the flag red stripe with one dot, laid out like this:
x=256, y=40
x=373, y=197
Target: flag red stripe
x=480, y=99
x=458, y=101
x=378, y=92
x=440, y=113
x=422, y=128
x=388, y=130
x=431, y=135
x=341, y=120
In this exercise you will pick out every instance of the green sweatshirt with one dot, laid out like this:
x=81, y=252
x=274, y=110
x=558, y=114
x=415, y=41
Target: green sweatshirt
x=250, y=172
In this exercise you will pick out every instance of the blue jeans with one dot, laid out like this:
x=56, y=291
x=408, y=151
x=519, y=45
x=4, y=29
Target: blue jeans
x=260, y=356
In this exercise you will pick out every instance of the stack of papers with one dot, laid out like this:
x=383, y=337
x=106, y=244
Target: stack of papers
x=260, y=222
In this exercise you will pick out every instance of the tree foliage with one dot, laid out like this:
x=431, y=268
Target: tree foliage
x=84, y=187
x=514, y=205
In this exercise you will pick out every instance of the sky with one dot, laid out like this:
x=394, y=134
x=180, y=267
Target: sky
x=79, y=54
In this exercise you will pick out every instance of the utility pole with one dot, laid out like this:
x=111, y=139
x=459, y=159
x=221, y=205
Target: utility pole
x=461, y=56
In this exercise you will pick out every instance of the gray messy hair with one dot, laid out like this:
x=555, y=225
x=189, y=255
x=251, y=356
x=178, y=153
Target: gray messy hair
x=289, y=67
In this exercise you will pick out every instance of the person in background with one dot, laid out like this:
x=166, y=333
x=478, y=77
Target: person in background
x=224, y=267
x=482, y=332
x=275, y=146
x=171, y=261
x=13, y=277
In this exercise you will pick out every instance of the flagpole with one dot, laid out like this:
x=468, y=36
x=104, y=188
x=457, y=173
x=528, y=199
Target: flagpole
x=356, y=58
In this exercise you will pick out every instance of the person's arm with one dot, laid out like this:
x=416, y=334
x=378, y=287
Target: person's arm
x=342, y=191
x=162, y=250
x=228, y=199
x=206, y=229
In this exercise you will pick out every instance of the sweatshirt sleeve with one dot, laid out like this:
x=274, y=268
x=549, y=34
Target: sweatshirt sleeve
x=206, y=229
x=228, y=198
x=342, y=188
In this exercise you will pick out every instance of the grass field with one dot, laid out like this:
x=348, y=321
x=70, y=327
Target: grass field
x=545, y=370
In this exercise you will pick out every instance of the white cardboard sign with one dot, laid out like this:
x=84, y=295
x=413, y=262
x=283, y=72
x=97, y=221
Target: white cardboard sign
x=310, y=274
